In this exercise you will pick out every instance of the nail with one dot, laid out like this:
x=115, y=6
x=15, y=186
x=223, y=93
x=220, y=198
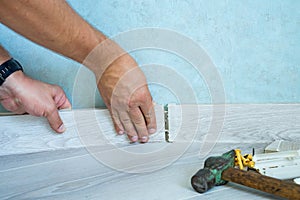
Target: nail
x=61, y=128
x=121, y=132
x=65, y=109
x=152, y=130
x=134, y=138
x=144, y=139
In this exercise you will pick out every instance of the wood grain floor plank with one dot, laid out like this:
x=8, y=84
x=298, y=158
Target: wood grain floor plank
x=82, y=176
x=36, y=164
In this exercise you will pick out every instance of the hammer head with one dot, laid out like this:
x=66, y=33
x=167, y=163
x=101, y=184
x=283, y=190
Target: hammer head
x=211, y=174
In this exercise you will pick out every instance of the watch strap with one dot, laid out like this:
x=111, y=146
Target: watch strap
x=7, y=68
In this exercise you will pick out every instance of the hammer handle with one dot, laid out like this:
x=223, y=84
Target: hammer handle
x=267, y=184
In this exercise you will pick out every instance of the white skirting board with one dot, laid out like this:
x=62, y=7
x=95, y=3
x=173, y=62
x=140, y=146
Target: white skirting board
x=21, y=134
x=282, y=145
x=36, y=163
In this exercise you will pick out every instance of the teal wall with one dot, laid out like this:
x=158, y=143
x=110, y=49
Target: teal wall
x=255, y=46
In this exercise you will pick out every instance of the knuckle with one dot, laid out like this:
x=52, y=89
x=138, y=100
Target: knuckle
x=138, y=121
x=57, y=89
x=114, y=117
x=118, y=125
x=141, y=99
x=133, y=103
x=117, y=102
x=131, y=132
x=136, y=102
x=126, y=120
x=147, y=114
x=49, y=110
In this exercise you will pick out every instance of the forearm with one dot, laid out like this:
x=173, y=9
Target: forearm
x=52, y=24
x=4, y=55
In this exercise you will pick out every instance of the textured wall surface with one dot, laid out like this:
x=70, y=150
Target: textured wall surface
x=254, y=45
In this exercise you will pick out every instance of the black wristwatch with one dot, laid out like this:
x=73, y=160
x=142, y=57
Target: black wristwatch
x=7, y=68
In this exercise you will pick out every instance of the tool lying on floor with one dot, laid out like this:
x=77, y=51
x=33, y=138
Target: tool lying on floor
x=220, y=169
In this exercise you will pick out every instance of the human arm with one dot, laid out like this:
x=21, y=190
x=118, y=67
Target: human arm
x=21, y=94
x=55, y=25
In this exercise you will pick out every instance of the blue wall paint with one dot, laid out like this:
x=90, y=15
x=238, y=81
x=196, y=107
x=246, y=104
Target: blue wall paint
x=254, y=44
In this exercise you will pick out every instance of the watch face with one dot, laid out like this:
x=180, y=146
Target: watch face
x=7, y=68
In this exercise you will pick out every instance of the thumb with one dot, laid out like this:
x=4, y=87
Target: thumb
x=55, y=121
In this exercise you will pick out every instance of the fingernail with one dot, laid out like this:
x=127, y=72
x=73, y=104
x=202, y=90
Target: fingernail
x=121, y=132
x=144, y=139
x=65, y=109
x=61, y=128
x=134, y=138
x=152, y=130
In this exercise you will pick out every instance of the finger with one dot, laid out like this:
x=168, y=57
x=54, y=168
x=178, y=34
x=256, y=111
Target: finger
x=20, y=110
x=139, y=123
x=149, y=114
x=64, y=103
x=55, y=121
x=13, y=105
x=60, y=98
x=117, y=123
x=19, y=107
x=129, y=128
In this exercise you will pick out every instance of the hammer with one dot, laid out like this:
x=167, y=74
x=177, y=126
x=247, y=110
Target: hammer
x=219, y=170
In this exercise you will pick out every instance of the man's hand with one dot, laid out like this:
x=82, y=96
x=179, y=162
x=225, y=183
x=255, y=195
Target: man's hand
x=124, y=90
x=21, y=94
x=121, y=83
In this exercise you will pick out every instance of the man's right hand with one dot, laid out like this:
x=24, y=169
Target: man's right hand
x=124, y=90
x=21, y=94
